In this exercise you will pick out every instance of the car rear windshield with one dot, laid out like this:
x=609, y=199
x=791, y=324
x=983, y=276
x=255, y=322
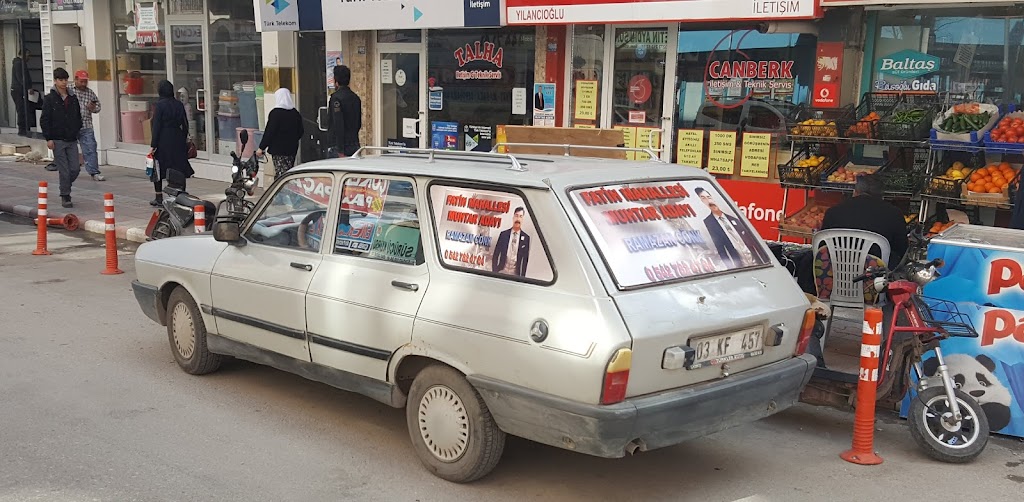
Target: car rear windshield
x=655, y=232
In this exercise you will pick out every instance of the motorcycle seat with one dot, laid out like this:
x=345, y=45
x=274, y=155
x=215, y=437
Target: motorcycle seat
x=184, y=199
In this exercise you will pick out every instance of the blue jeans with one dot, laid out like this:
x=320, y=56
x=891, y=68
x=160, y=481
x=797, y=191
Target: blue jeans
x=87, y=138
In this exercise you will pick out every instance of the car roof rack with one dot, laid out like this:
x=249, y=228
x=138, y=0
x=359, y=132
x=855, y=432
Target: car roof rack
x=653, y=153
x=514, y=164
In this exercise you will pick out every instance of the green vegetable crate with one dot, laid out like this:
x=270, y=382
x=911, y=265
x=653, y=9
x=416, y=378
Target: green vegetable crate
x=904, y=173
x=952, y=127
x=906, y=123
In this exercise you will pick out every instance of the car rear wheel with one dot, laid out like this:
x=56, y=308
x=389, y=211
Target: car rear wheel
x=186, y=333
x=452, y=430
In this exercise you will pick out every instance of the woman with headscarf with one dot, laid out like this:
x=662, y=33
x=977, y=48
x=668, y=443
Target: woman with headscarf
x=284, y=130
x=170, y=138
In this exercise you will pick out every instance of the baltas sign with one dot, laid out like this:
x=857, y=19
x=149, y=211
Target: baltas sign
x=908, y=64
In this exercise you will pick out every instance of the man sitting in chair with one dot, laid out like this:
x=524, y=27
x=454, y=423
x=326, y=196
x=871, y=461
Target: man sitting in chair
x=868, y=211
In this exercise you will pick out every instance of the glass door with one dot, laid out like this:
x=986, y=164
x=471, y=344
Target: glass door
x=644, y=69
x=188, y=75
x=312, y=94
x=401, y=95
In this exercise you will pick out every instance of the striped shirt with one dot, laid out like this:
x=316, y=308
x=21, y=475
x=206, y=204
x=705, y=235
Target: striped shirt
x=86, y=96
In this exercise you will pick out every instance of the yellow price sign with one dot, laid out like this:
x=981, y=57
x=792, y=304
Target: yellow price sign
x=722, y=152
x=690, y=147
x=757, y=154
x=586, y=100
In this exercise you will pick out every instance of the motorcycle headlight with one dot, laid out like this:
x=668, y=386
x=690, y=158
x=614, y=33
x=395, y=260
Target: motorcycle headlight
x=234, y=169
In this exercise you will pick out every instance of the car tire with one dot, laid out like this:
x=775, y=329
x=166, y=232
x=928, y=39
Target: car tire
x=186, y=333
x=452, y=431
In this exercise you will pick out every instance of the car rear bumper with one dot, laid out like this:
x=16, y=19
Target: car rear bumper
x=148, y=298
x=646, y=422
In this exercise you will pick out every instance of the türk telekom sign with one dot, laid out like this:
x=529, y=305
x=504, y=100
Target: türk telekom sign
x=532, y=12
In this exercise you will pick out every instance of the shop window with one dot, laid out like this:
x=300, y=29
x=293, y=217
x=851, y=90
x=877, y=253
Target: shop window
x=140, y=64
x=489, y=232
x=639, y=80
x=378, y=219
x=587, y=63
x=236, y=63
x=974, y=53
x=478, y=80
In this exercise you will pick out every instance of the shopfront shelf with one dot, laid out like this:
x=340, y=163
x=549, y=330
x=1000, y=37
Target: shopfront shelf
x=791, y=173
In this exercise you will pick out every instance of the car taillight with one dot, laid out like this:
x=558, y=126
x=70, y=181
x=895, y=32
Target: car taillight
x=806, y=331
x=616, y=377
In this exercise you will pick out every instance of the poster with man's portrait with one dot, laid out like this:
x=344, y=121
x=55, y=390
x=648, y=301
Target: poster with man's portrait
x=489, y=231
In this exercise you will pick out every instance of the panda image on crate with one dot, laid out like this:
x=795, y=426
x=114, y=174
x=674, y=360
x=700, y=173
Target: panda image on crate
x=976, y=376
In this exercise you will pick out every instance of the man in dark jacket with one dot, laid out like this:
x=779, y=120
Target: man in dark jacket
x=61, y=123
x=867, y=211
x=21, y=84
x=344, y=114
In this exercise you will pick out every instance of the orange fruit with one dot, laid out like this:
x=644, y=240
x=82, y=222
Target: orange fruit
x=971, y=186
x=976, y=175
x=995, y=190
x=997, y=179
x=1005, y=165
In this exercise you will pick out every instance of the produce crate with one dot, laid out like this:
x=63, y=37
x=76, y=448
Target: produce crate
x=792, y=172
x=942, y=137
x=803, y=121
x=825, y=183
x=805, y=221
x=997, y=200
x=1003, y=146
x=940, y=184
x=902, y=173
x=877, y=103
x=890, y=128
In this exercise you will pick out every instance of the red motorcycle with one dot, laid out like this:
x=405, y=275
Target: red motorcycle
x=946, y=422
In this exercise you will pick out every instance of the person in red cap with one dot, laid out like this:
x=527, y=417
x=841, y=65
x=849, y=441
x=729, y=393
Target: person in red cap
x=90, y=104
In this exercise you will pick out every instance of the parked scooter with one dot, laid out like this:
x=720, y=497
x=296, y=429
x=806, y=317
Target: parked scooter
x=947, y=423
x=176, y=215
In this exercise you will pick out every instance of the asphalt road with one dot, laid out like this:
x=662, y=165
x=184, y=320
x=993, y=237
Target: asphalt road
x=93, y=407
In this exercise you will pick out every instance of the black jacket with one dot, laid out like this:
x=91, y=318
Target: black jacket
x=62, y=118
x=874, y=215
x=284, y=131
x=345, y=119
x=170, y=137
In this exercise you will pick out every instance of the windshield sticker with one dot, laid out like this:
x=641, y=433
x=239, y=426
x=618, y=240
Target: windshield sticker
x=663, y=231
x=488, y=231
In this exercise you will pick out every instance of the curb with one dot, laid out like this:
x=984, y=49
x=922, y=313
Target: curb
x=125, y=233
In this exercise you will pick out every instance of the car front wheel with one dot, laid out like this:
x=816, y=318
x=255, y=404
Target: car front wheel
x=451, y=428
x=186, y=332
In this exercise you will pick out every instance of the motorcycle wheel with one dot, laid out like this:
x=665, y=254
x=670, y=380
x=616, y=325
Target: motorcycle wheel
x=163, y=228
x=955, y=444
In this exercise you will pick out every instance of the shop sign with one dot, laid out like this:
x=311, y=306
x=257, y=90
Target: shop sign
x=444, y=135
x=533, y=12
x=277, y=15
x=146, y=31
x=745, y=77
x=14, y=8
x=761, y=204
x=349, y=15
x=62, y=5
x=907, y=70
x=828, y=72
x=486, y=52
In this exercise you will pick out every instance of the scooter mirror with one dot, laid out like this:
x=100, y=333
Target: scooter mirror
x=244, y=136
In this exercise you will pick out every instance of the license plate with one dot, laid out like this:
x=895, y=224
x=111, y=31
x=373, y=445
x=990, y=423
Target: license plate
x=718, y=349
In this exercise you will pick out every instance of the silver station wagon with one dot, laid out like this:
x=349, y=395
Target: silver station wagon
x=601, y=306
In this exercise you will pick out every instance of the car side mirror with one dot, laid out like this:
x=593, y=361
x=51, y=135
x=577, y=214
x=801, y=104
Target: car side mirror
x=228, y=231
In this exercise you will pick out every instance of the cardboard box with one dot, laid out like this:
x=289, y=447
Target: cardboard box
x=147, y=131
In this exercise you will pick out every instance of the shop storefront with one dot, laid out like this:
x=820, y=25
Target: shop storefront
x=212, y=54
x=19, y=31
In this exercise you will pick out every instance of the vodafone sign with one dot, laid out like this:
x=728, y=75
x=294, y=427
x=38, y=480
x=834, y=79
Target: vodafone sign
x=533, y=12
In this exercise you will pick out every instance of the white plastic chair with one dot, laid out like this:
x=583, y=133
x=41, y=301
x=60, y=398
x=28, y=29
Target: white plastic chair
x=848, y=249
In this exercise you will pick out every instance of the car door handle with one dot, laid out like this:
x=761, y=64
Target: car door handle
x=405, y=285
x=302, y=266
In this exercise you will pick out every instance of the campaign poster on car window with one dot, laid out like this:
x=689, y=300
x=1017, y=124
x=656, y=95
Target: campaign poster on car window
x=489, y=231
x=654, y=232
x=362, y=202
x=315, y=188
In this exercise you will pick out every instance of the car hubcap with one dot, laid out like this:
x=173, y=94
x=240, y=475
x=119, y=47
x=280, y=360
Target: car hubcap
x=184, y=331
x=444, y=423
x=941, y=428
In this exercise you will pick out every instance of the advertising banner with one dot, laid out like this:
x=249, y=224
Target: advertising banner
x=987, y=287
x=534, y=12
x=907, y=71
x=56, y=5
x=489, y=231
x=346, y=15
x=828, y=75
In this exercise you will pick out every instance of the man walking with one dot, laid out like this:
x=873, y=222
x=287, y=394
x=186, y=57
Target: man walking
x=21, y=84
x=90, y=104
x=344, y=114
x=61, y=123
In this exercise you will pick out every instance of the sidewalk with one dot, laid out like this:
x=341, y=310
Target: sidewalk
x=19, y=185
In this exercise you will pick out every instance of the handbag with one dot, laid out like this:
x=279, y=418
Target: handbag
x=192, y=152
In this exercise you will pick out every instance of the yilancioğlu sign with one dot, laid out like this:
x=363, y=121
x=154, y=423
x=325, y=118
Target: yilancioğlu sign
x=533, y=12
